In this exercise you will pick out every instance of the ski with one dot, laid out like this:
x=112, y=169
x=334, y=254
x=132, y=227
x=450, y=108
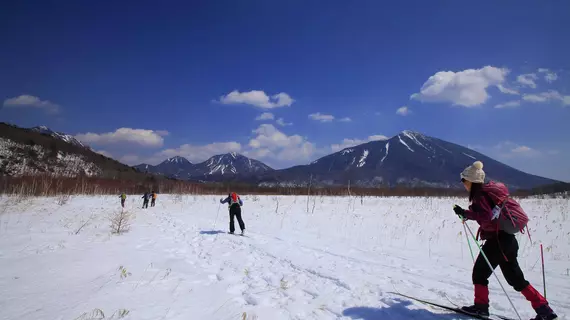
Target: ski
x=454, y=309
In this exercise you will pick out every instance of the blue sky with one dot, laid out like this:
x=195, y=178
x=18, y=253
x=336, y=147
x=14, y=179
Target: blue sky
x=143, y=80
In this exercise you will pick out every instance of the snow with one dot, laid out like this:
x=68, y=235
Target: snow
x=404, y=143
x=470, y=156
x=387, y=148
x=362, y=160
x=338, y=261
x=346, y=151
x=412, y=136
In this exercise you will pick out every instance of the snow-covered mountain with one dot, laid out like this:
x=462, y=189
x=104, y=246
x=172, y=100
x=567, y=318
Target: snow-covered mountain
x=409, y=158
x=58, y=135
x=229, y=165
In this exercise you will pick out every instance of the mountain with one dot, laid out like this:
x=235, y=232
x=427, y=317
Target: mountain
x=219, y=167
x=409, y=158
x=58, y=135
x=42, y=151
x=176, y=167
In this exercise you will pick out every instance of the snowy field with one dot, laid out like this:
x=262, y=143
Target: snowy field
x=323, y=258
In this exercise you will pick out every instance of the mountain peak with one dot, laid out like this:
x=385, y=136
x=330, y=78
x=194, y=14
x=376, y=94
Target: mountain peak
x=177, y=159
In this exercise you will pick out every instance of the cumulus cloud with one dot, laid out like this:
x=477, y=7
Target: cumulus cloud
x=527, y=79
x=466, y=88
x=272, y=143
x=551, y=95
x=140, y=137
x=198, y=153
x=282, y=122
x=549, y=76
x=509, y=149
x=28, y=101
x=321, y=117
x=403, y=111
x=506, y=90
x=257, y=98
x=347, y=143
x=509, y=104
x=265, y=116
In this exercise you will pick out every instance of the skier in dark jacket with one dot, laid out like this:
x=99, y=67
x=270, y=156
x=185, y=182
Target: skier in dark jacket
x=146, y=196
x=234, y=204
x=501, y=247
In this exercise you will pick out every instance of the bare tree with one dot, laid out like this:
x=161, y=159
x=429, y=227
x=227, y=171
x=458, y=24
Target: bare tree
x=120, y=222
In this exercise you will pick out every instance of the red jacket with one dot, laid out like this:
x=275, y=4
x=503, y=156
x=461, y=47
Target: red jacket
x=481, y=207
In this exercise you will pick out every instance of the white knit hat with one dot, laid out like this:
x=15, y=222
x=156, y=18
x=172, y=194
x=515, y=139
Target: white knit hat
x=474, y=173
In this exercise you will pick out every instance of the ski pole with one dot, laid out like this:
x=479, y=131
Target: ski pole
x=216, y=220
x=468, y=242
x=492, y=270
x=543, y=277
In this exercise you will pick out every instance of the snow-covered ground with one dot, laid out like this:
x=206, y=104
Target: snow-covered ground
x=317, y=258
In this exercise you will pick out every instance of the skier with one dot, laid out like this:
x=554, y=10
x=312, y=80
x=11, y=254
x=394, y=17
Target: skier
x=123, y=197
x=234, y=205
x=152, y=202
x=489, y=201
x=145, y=198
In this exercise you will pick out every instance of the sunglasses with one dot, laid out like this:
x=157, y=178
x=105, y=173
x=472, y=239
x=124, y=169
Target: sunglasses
x=463, y=180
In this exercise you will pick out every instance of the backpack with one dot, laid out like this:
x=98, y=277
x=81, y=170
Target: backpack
x=234, y=198
x=510, y=216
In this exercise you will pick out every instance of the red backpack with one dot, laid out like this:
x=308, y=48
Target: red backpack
x=509, y=213
x=235, y=198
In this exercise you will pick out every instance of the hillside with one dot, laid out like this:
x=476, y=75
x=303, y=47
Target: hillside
x=33, y=152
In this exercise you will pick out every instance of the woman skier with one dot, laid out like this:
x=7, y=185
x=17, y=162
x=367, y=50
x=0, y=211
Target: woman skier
x=501, y=246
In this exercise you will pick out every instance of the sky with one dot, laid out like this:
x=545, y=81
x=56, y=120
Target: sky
x=287, y=82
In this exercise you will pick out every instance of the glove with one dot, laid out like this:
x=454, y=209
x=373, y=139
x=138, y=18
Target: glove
x=459, y=211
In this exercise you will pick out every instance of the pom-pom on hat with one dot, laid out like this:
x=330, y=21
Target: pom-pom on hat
x=474, y=173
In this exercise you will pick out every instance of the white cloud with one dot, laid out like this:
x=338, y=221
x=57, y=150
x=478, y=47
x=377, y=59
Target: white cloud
x=510, y=104
x=549, y=76
x=162, y=133
x=508, y=149
x=347, y=143
x=282, y=122
x=466, y=88
x=31, y=102
x=551, y=95
x=257, y=98
x=141, y=137
x=321, y=117
x=527, y=79
x=272, y=143
x=198, y=153
x=131, y=159
x=403, y=111
x=506, y=90
x=265, y=116
x=345, y=119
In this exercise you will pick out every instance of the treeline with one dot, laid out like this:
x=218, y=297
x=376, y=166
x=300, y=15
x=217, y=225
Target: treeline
x=47, y=185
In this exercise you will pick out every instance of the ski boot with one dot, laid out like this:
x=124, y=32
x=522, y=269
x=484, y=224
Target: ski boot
x=544, y=313
x=477, y=309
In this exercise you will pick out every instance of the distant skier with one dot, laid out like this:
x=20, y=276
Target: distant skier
x=153, y=201
x=234, y=205
x=146, y=196
x=499, y=217
x=123, y=197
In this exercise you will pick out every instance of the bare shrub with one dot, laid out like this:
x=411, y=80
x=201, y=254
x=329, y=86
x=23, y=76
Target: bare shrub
x=120, y=222
x=63, y=199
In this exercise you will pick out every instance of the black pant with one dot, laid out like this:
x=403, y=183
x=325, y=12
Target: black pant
x=152, y=202
x=492, y=248
x=145, y=203
x=235, y=211
x=123, y=203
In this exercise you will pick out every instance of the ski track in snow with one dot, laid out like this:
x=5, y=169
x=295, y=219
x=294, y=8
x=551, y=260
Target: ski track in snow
x=335, y=263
